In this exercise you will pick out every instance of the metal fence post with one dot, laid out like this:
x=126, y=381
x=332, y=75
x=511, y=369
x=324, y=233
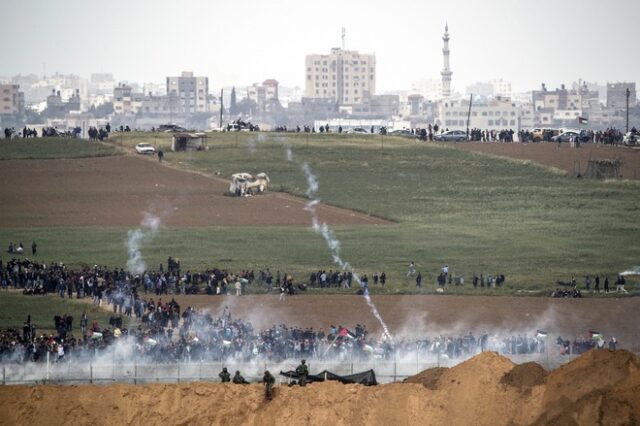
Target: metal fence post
x=91, y=371
x=4, y=376
x=135, y=372
x=47, y=371
x=178, y=372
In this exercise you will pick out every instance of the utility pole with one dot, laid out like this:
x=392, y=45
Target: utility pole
x=221, y=106
x=628, y=95
x=469, y=114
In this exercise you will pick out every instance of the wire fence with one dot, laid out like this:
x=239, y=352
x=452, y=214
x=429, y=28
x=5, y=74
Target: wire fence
x=91, y=372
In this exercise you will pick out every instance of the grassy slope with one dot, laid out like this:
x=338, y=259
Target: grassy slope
x=53, y=148
x=476, y=213
x=14, y=308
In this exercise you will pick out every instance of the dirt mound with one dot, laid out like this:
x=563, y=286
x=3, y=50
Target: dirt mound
x=601, y=387
x=428, y=378
x=525, y=376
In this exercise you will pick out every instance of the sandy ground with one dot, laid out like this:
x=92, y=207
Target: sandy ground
x=601, y=387
x=432, y=315
x=113, y=191
x=565, y=157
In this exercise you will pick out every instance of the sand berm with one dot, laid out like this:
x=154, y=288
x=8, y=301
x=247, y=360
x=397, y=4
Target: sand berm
x=601, y=387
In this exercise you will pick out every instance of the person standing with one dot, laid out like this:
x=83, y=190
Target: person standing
x=224, y=375
x=606, y=285
x=268, y=381
x=34, y=248
x=412, y=269
x=160, y=155
x=303, y=371
x=419, y=280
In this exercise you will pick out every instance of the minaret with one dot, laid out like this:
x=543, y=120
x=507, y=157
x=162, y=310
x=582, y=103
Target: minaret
x=446, y=72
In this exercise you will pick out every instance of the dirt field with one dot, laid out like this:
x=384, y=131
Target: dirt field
x=113, y=191
x=599, y=388
x=565, y=157
x=430, y=315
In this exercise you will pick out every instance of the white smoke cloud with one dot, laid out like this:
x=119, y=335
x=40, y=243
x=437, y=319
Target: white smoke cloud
x=148, y=229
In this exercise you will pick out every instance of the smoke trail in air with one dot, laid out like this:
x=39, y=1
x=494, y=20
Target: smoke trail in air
x=135, y=239
x=332, y=242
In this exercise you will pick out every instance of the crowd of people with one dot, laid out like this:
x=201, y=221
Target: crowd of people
x=570, y=289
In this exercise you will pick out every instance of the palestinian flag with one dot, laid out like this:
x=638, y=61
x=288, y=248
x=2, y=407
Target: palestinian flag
x=595, y=335
x=541, y=334
x=344, y=332
x=582, y=120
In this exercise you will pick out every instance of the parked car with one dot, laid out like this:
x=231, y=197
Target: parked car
x=145, y=148
x=358, y=131
x=631, y=138
x=451, y=135
x=569, y=135
x=402, y=132
x=171, y=128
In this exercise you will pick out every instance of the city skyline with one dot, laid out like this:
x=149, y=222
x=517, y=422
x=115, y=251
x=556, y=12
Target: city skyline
x=146, y=41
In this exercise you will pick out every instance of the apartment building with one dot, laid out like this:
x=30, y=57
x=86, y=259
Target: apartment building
x=188, y=93
x=346, y=76
x=11, y=99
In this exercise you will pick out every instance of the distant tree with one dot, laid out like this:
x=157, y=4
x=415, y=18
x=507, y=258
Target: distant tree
x=102, y=110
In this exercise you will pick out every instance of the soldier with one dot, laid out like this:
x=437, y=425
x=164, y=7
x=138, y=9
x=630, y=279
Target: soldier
x=303, y=371
x=224, y=375
x=268, y=381
x=239, y=380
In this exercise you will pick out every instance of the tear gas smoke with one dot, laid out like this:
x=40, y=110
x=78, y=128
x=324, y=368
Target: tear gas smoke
x=330, y=239
x=136, y=238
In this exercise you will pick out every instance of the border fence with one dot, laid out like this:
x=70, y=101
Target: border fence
x=71, y=372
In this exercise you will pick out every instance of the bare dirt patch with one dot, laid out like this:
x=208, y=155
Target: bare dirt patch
x=469, y=393
x=422, y=315
x=113, y=191
x=564, y=157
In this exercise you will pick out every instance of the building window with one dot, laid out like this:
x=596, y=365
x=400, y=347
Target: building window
x=512, y=122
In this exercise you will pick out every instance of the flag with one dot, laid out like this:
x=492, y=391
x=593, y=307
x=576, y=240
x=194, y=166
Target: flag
x=595, y=335
x=582, y=120
x=226, y=343
x=541, y=334
x=344, y=332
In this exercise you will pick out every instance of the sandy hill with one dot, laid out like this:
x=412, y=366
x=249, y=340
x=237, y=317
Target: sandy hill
x=599, y=388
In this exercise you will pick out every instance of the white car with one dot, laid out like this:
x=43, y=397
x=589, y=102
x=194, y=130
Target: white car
x=145, y=148
x=631, y=138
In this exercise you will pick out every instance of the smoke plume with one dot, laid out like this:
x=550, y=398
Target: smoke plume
x=136, y=238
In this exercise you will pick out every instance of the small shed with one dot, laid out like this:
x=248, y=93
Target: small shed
x=189, y=142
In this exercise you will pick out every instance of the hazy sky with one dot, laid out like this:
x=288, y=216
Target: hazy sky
x=241, y=42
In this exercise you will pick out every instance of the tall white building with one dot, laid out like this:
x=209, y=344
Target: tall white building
x=346, y=76
x=446, y=71
x=496, y=114
x=187, y=93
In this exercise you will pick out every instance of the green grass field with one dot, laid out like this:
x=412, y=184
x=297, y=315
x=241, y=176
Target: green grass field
x=42, y=148
x=14, y=308
x=476, y=213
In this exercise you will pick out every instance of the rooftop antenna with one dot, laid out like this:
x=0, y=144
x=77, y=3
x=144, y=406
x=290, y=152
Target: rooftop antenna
x=344, y=34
